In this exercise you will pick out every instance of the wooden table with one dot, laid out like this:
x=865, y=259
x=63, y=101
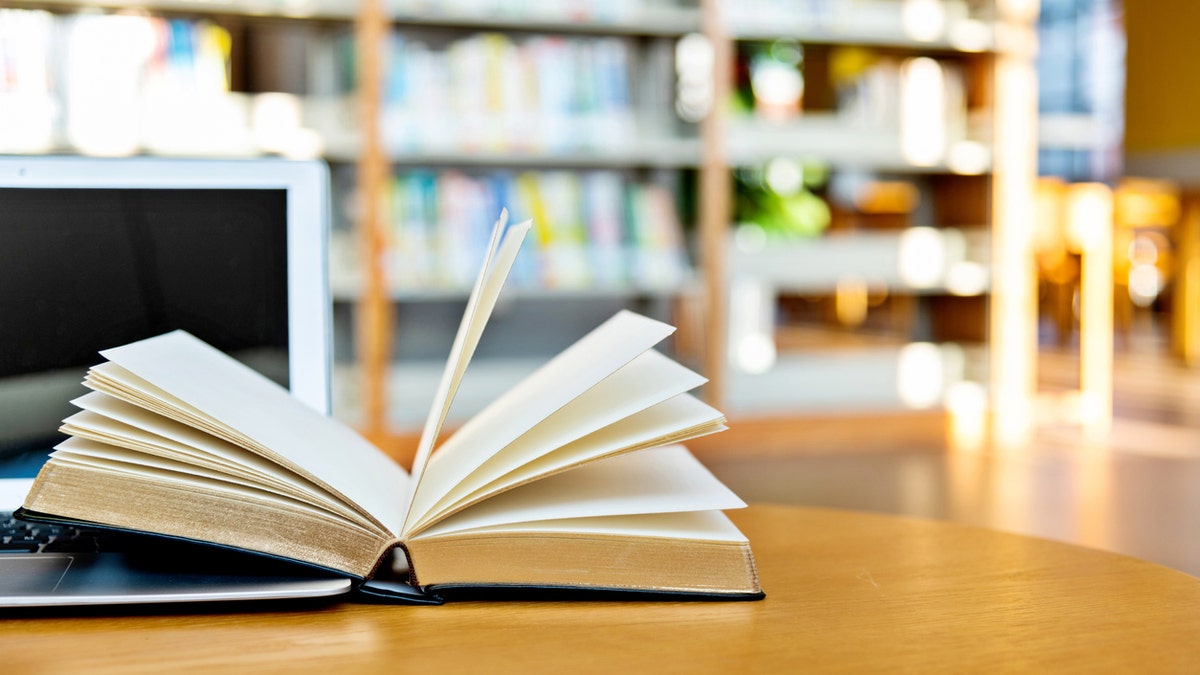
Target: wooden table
x=846, y=592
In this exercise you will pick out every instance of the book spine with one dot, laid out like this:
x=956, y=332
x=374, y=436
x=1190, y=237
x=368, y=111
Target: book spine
x=496, y=93
x=594, y=229
x=28, y=119
x=115, y=84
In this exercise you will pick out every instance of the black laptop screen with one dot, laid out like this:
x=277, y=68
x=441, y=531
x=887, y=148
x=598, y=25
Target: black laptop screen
x=86, y=269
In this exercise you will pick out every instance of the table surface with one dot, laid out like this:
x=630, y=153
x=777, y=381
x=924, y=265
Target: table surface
x=845, y=591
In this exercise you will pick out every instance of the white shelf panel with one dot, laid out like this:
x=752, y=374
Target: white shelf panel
x=862, y=22
x=849, y=380
x=667, y=153
x=347, y=287
x=831, y=138
x=816, y=266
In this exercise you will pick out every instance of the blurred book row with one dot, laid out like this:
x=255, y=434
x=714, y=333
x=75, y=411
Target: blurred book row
x=593, y=230
x=490, y=92
x=111, y=83
x=117, y=84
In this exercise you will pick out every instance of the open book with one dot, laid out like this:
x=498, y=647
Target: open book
x=543, y=488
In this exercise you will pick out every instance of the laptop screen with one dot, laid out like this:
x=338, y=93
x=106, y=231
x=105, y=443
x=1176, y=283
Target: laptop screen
x=87, y=268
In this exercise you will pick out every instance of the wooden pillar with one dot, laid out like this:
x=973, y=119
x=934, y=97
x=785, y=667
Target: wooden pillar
x=374, y=316
x=715, y=204
x=1185, y=299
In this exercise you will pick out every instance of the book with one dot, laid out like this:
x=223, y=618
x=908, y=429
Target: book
x=573, y=479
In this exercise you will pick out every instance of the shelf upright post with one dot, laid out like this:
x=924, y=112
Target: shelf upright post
x=374, y=320
x=715, y=202
x=1013, y=312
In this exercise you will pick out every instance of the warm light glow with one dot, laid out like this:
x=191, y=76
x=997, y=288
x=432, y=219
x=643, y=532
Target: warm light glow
x=756, y=354
x=1090, y=213
x=1013, y=307
x=751, y=327
x=851, y=300
x=966, y=409
x=920, y=375
x=1142, y=202
x=922, y=112
x=970, y=35
x=1023, y=11
x=299, y=8
x=968, y=158
x=923, y=20
x=1145, y=283
x=887, y=196
x=1145, y=279
x=785, y=176
x=694, y=58
x=750, y=238
x=922, y=254
x=778, y=88
x=967, y=278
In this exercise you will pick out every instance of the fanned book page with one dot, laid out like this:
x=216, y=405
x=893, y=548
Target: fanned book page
x=502, y=252
x=209, y=389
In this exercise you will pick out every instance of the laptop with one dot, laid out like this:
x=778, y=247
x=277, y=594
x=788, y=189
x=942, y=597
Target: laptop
x=95, y=253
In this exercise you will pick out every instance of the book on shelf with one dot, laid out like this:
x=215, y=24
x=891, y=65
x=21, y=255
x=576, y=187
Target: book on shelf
x=574, y=479
x=489, y=92
x=114, y=84
x=610, y=232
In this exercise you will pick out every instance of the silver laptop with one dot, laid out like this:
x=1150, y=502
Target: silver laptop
x=96, y=253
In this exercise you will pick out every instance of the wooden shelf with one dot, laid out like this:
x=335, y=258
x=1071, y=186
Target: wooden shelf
x=340, y=10
x=663, y=21
x=669, y=153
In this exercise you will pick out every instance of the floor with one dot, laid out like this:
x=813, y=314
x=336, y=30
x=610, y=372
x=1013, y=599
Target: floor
x=1136, y=492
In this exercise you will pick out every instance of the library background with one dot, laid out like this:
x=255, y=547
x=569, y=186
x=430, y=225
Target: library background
x=917, y=223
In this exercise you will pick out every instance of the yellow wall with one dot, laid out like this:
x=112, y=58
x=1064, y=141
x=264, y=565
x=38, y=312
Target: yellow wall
x=1162, y=101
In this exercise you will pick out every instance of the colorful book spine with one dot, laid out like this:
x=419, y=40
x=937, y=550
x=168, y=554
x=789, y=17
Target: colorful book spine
x=491, y=92
x=591, y=230
x=27, y=105
x=110, y=83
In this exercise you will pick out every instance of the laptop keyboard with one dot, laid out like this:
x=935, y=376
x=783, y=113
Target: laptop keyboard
x=19, y=536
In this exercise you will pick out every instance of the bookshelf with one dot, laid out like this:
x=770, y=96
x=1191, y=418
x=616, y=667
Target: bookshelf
x=385, y=92
x=897, y=274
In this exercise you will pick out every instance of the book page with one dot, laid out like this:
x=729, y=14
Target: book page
x=96, y=455
x=197, y=442
x=694, y=525
x=577, y=369
x=274, y=422
x=502, y=252
x=109, y=420
x=647, y=380
x=84, y=450
x=660, y=480
x=675, y=420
